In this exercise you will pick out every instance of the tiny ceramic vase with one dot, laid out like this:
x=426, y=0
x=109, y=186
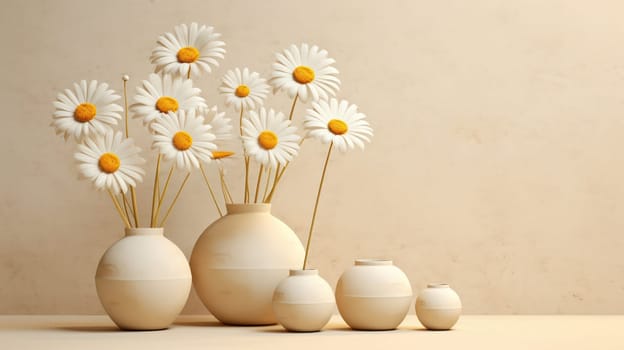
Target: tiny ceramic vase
x=438, y=307
x=303, y=302
x=373, y=295
x=143, y=280
x=239, y=260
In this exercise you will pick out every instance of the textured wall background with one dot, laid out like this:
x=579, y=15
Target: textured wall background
x=496, y=164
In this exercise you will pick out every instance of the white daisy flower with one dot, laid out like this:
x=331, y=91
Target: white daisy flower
x=220, y=125
x=185, y=138
x=161, y=94
x=193, y=48
x=305, y=71
x=111, y=161
x=86, y=110
x=269, y=137
x=244, y=89
x=337, y=122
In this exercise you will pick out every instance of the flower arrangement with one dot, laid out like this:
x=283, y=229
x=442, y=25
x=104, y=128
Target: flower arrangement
x=188, y=135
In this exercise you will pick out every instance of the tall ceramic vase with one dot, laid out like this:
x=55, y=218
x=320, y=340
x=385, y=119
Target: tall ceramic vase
x=143, y=280
x=373, y=295
x=239, y=260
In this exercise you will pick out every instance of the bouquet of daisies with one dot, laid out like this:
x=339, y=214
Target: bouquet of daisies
x=188, y=135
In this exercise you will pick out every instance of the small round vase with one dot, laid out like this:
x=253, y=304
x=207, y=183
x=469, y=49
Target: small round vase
x=239, y=260
x=373, y=295
x=438, y=307
x=143, y=280
x=304, y=301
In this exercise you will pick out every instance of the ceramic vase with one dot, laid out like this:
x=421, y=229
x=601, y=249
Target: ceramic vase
x=373, y=295
x=304, y=301
x=239, y=260
x=438, y=307
x=143, y=280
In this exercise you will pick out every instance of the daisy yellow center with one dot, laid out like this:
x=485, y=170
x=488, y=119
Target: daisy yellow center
x=337, y=127
x=84, y=112
x=303, y=74
x=242, y=91
x=188, y=54
x=267, y=140
x=182, y=140
x=221, y=154
x=166, y=104
x=109, y=163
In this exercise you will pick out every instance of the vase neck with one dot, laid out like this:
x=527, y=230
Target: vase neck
x=248, y=208
x=144, y=231
x=306, y=272
x=372, y=262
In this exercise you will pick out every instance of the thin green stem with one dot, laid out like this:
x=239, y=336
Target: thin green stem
x=225, y=185
x=258, y=182
x=292, y=107
x=318, y=196
x=161, y=195
x=119, y=210
x=155, y=192
x=266, y=186
x=212, y=195
x=175, y=199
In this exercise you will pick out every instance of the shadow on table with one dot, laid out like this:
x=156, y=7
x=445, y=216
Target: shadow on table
x=199, y=324
x=347, y=330
x=90, y=329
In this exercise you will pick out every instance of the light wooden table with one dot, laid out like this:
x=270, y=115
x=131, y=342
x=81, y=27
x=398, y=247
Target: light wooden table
x=204, y=332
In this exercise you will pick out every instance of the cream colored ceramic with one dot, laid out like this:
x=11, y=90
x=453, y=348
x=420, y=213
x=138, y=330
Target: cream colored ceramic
x=304, y=301
x=143, y=280
x=239, y=260
x=438, y=307
x=373, y=295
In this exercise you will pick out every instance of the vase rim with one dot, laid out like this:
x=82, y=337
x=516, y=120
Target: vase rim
x=372, y=262
x=144, y=231
x=237, y=208
x=438, y=285
x=306, y=272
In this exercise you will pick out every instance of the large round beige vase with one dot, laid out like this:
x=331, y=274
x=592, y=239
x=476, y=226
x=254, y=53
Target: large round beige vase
x=304, y=301
x=239, y=260
x=373, y=295
x=143, y=280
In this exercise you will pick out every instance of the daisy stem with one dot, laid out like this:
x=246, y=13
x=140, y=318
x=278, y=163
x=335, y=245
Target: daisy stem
x=292, y=108
x=188, y=75
x=125, y=93
x=246, y=195
x=132, y=190
x=267, y=199
x=134, y=206
x=118, y=207
x=278, y=177
x=247, y=179
x=156, y=191
x=126, y=205
x=175, y=199
x=258, y=182
x=212, y=195
x=318, y=196
x=226, y=190
x=164, y=191
x=266, y=186
x=223, y=192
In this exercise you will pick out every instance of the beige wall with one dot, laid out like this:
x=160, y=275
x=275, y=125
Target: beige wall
x=496, y=164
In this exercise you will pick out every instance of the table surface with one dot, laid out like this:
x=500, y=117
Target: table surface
x=204, y=332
